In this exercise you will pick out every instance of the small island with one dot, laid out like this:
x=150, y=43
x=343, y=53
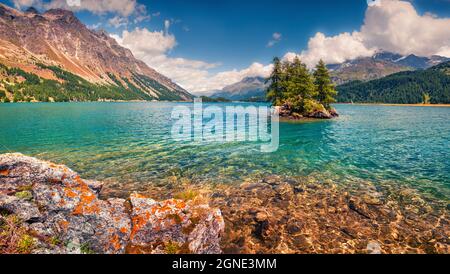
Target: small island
x=300, y=94
x=207, y=99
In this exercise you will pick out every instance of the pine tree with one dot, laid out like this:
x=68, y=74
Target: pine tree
x=326, y=92
x=276, y=88
x=299, y=85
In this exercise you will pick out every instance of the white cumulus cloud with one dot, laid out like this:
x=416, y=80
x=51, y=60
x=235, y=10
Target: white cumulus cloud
x=122, y=7
x=390, y=25
x=145, y=43
x=153, y=48
x=396, y=26
x=335, y=49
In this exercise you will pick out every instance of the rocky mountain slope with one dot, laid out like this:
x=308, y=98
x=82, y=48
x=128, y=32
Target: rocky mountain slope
x=56, y=42
x=412, y=61
x=364, y=69
x=250, y=88
x=380, y=65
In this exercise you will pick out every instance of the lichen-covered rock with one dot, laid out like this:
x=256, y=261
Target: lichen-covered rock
x=56, y=205
x=184, y=226
x=25, y=210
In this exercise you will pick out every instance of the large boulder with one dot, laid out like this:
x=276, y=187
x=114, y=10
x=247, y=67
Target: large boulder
x=334, y=113
x=65, y=215
x=320, y=114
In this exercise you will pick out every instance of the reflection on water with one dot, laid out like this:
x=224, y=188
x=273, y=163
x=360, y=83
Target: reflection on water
x=130, y=143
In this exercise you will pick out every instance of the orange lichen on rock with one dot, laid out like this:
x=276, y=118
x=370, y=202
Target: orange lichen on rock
x=138, y=223
x=4, y=172
x=88, y=201
x=124, y=230
x=64, y=224
x=66, y=208
x=69, y=193
x=115, y=242
x=88, y=205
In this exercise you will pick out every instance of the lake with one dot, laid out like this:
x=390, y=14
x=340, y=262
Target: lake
x=130, y=143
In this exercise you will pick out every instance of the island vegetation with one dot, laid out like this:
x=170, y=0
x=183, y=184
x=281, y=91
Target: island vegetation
x=298, y=93
x=207, y=99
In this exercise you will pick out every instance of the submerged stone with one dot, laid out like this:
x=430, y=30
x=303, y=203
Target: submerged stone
x=308, y=216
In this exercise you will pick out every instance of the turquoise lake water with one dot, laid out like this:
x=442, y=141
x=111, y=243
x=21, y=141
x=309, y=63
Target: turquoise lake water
x=131, y=142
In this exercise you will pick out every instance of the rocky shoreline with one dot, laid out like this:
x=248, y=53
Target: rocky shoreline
x=48, y=209
x=286, y=114
x=270, y=215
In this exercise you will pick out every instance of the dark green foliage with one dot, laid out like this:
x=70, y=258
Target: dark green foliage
x=138, y=92
x=207, y=99
x=18, y=97
x=443, y=67
x=276, y=89
x=294, y=86
x=326, y=92
x=29, y=78
x=165, y=94
x=299, y=86
x=75, y=88
x=401, y=88
x=9, y=88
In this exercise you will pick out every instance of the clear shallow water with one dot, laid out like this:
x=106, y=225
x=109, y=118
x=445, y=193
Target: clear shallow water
x=131, y=142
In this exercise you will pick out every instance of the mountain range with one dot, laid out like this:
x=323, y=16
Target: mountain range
x=52, y=56
x=249, y=89
x=73, y=62
x=380, y=65
x=408, y=87
x=365, y=69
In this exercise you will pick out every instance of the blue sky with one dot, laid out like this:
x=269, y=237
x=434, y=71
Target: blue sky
x=236, y=32
x=210, y=37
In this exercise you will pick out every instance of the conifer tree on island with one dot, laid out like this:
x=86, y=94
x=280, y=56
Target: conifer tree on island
x=300, y=88
x=276, y=90
x=325, y=88
x=299, y=93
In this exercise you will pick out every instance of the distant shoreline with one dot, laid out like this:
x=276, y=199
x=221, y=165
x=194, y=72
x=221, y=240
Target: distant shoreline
x=395, y=105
